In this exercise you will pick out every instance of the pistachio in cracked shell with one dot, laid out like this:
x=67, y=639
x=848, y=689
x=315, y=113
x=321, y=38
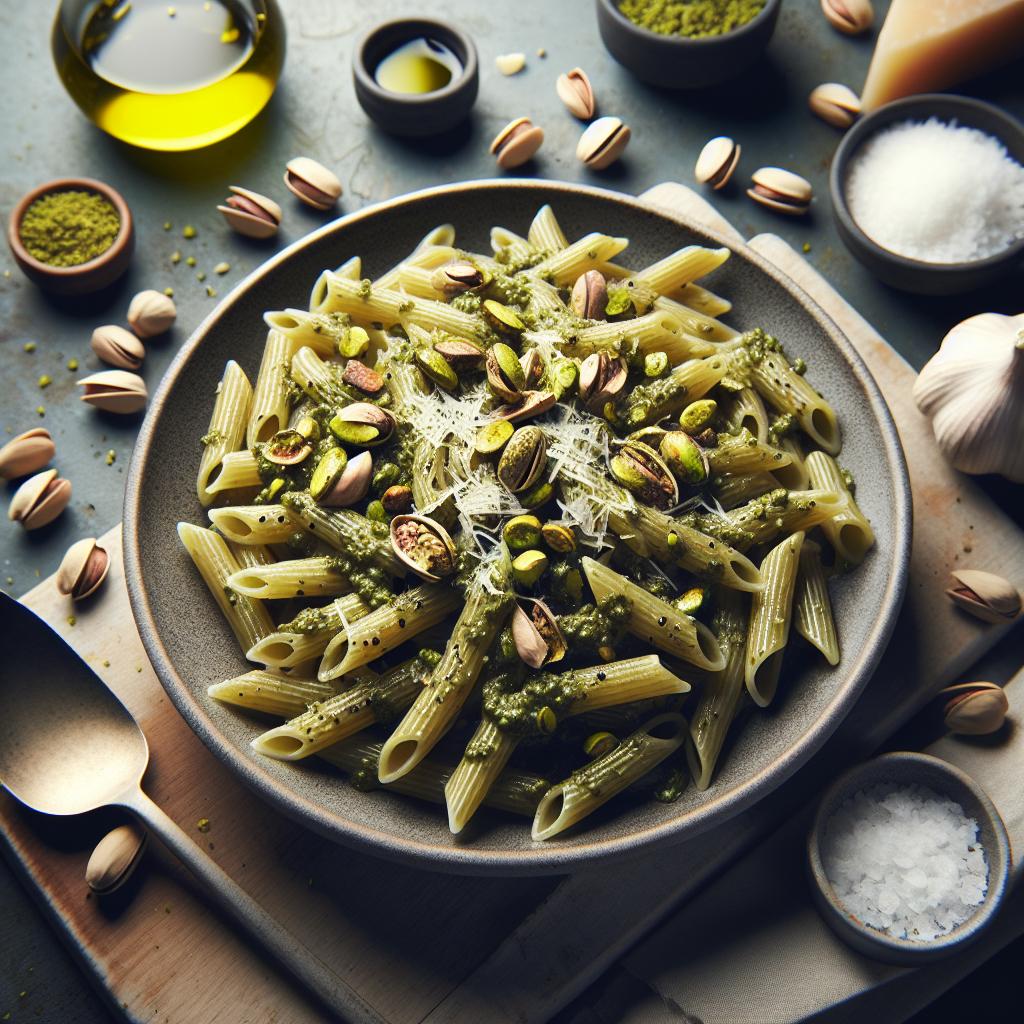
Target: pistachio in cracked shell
x=424, y=546
x=602, y=377
x=603, y=142
x=250, y=213
x=117, y=347
x=362, y=424
x=717, y=162
x=455, y=278
x=781, y=190
x=516, y=143
x=590, y=295
x=39, y=500
x=575, y=91
x=151, y=313
x=83, y=569
x=26, y=453
x=117, y=391
x=312, y=183
x=974, y=709
x=835, y=103
x=523, y=460
x=505, y=374
x=851, y=17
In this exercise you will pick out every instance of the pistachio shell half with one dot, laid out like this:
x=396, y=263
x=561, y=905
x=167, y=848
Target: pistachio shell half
x=287, y=448
x=641, y=470
x=602, y=377
x=837, y=104
x=151, y=313
x=684, y=457
x=505, y=374
x=985, y=595
x=590, y=295
x=362, y=423
x=39, y=500
x=424, y=546
x=781, y=190
x=536, y=634
x=516, y=143
x=603, y=142
x=115, y=391
x=461, y=354
x=523, y=460
x=849, y=16
x=83, y=568
x=250, y=214
x=717, y=162
x=574, y=90
x=311, y=182
x=533, y=367
x=26, y=453
x=352, y=483
x=530, y=404
x=974, y=709
x=118, y=347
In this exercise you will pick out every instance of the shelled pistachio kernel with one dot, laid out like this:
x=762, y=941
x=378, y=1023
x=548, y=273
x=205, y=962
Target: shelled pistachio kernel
x=603, y=142
x=559, y=537
x=697, y=415
x=436, y=368
x=311, y=182
x=691, y=601
x=493, y=436
x=502, y=318
x=522, y=533
x=327, y=472
x=655, y=364
x=539, y=494
x=353, y=343
x=717, y=162
x=563, y=374
x=516, y=143
x=397, y=499
x=781, y=190
x=528, y=567
x=505, y=374
x=835, y=103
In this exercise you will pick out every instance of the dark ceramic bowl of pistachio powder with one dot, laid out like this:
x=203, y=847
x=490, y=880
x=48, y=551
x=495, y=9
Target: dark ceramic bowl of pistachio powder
x=695, y=52
x=72, y=236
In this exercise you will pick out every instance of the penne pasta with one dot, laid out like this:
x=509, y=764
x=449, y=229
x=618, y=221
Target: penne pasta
x=812, y=607
x=744, y=410
x=252, y=524
x=647, y=404
x=780, y=512
x=545, y=231
x=270, y=692
x=227, y=429
x=319, y=576
x=743, y=453
x=317, y=331
x=848, y=531
x=564, y=266
x=238, y=471
x=306, y=637
x=680, y=268
x=703, y=301
x=793, y=475
x=730, y=491
x=268, y=411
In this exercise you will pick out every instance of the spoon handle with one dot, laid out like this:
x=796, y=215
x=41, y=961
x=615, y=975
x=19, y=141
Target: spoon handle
x=286, y=950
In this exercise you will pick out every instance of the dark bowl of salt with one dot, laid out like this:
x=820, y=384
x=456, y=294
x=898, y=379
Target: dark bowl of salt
x=908, y=858
x=928, y=193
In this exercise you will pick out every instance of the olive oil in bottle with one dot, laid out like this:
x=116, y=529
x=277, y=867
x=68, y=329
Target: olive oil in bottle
x=169, y=76
x=418, y=66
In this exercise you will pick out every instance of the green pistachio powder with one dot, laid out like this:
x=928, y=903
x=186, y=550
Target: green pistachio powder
x=693, y=18
x=65, y=229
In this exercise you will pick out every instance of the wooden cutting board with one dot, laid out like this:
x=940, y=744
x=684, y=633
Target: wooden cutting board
x=421, y=946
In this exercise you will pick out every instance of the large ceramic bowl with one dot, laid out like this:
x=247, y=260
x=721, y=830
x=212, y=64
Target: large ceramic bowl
x=191, y=647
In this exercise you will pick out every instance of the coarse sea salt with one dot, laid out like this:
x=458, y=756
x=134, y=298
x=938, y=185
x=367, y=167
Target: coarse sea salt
x=905, y=860
x=938, y=192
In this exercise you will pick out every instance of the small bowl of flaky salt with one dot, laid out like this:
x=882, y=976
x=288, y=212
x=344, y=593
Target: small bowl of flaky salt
x=908, y=858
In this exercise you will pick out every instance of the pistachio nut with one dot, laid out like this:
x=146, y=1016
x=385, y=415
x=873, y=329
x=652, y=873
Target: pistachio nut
x=691, y=601
x=684, y=457
x=837, y=104
x=781, y=190
x=436, y=368
x=641, y=470
x=114, y=859
x=516, y=143
x=115, y=391
x=311, y=182
x=82, y=570
x=493, y=436
x=602, y=377
x=397, y=500
x=327, y=472
x=602, y=142
x=559, y=537
x=563, y=376
x=974, y=709
x=151, y=313
x=287, y=448
x=697, y=415
x=523, y=460
x=351, y=484
x=530, y=404
x=717, y=162
x=985, y=595
x=539, y=494
x=574, y=90
x=521, y=533
x=597, y=744
x=250, y=214
x=546, y=721
x=117, y=347
x=361, y=376
x=590, y=295
x=455, y=278
x=461, y=354
x=536, y=634
x=424, y=546
x=362, y=423
x=505, y=374
x=533, y=367
x=656, y=365
x=849, y=16
x=353, y=343
x=29, y=452
x=528, y=567
x=501, y=318
x=39, y=500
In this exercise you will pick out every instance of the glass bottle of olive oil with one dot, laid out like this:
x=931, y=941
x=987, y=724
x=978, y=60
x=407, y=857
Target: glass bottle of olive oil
x=169, y=76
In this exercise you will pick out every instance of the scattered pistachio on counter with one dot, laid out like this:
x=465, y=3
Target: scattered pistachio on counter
x=28, y=453
x=115, y=858
x=251, y=214
x=510, y=63
x=717, y=161
x=115, y=391
x=151, y=313
x=985, y=595
x=835, y=103
x=83, y=569
x=603, y=142
x=781, y=190
x=311, y=182
x=117, y=347
x=516, y=143
x=574, y=90
x=974, y=709
x=39, y=500
x=849, y=16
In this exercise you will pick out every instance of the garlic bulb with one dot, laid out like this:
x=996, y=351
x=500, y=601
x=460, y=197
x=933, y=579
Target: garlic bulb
x=973, y=390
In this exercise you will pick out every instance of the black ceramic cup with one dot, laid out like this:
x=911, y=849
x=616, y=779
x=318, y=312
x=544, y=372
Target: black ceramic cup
x=677, y=62
x=417, y=114
x=914, y=275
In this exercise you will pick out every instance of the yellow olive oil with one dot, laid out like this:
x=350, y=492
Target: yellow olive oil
x=169, y=76
x=418, y=66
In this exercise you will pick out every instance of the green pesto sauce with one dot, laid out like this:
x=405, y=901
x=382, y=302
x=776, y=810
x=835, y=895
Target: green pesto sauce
x=671, y=788
x=645, y=400
x=309, y=621
x=714, y=525
x=595, y=626
x=513, y=707
x=782, y=426
x=213, y=437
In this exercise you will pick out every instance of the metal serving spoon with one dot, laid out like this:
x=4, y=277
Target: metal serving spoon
x=68, y=745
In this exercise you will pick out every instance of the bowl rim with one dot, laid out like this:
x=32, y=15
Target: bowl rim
x=544, y=858
x=109, y=255
x=870, y=124
x=625, y=25
x=413, y=27
x=907, y=950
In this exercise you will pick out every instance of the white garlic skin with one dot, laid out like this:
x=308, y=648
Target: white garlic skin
x=973, y=391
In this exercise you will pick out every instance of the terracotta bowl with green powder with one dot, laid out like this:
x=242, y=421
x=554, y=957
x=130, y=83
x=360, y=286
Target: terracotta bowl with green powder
x=72, y=235
x=687, y=44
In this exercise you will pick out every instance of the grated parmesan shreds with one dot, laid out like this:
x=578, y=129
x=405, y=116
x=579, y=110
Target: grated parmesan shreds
x=439, y=417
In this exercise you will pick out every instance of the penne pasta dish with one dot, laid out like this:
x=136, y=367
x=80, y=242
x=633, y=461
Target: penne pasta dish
x=527, y=529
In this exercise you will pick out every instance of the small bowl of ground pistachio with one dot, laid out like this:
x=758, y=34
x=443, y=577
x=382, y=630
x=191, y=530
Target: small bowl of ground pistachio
x=72, y=236
x=686, y=44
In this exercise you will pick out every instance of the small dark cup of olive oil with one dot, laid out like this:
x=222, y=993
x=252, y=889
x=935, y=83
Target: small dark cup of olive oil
x=416, y=77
